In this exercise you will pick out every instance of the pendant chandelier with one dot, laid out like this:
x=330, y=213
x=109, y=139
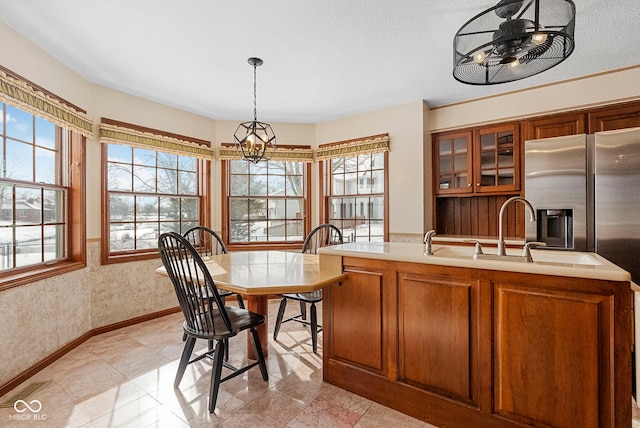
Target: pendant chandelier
x=513, y=40
x=254, y=138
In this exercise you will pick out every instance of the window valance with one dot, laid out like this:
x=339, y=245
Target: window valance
x=27, y=96
x=114, y=132
x=373, y=144
x=282, y=153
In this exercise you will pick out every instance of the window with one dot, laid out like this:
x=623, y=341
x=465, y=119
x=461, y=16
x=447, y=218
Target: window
x=267, y=202
x=357, y=200
x=32, y=189
x=35, y=190
x=148, y=191
x=355, y=187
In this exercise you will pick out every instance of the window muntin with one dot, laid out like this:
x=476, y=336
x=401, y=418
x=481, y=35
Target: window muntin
x=357, y=196
x=149, y=193
x=33, y=190
x=266, y=201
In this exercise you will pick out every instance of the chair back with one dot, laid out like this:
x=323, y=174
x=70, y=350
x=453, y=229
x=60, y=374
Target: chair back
x=206, y=241
x=201, y=304
x=322, y=236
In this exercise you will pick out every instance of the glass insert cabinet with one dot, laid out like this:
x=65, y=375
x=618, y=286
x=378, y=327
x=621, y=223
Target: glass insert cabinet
x=481, y=160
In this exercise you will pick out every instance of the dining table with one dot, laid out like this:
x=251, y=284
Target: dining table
x=259, y=274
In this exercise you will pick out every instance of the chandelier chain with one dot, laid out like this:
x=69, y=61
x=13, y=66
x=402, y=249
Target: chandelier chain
x=255, y=109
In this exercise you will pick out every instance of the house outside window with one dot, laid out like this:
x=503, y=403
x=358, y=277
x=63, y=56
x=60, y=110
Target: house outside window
x=356, y=187
x=148, y=192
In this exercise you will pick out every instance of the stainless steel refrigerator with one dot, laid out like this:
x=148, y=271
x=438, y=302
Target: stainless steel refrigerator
x=586, y=192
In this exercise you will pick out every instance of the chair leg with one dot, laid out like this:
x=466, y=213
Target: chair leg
x=240, y=301
x=276, y=329
x=216, y=373
x=257, y=350
x=184, y=360
x=226, y=349
x=314, y=328
x=303, y=310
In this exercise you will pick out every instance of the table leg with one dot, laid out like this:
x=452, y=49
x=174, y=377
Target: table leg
x=259, y=305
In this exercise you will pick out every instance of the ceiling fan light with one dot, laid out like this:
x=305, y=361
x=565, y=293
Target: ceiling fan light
x=539, y=38
x=479, y=57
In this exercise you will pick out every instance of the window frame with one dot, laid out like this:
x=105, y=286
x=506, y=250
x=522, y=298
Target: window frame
x=75, y=208
x=326, y=189
x=203, y=174
x=263, y=245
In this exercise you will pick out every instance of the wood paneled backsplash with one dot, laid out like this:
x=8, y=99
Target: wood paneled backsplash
x=478, y=216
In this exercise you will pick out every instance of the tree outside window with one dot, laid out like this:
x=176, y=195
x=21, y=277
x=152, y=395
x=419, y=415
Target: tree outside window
x=267, y=201
x=149, y=193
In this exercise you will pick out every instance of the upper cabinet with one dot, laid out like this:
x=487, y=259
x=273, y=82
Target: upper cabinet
x=481, y=160
x=453, y=162
x=557, y=125
x=620, y=116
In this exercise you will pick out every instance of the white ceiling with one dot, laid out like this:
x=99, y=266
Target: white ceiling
x=323, y=59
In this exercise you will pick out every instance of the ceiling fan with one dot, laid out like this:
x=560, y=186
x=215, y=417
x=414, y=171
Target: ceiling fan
x=513, y=40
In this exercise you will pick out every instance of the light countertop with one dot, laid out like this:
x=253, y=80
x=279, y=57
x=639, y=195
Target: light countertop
x=547, y=262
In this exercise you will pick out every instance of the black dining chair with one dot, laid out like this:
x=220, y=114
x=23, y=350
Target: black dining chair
x=206, y=316
x=322, y=236
x=209, y=243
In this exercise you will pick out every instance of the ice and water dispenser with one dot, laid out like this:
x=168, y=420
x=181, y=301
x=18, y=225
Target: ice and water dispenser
x=555, y=227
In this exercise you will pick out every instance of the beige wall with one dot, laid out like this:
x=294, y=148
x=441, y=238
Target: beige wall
x=404, y=124
x=41, y=317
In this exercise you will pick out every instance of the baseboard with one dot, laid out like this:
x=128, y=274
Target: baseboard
x=18, y=379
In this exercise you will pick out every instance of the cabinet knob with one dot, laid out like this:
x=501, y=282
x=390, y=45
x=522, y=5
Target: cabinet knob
x=477, y=184
x=469, y=185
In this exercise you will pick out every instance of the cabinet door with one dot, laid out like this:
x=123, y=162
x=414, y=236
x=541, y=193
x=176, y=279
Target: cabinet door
x=437, y=343
x=453, y=163
x=619, y=116
x=355, y=320
x=557, y=125
x=552, y=356
x=497, y=158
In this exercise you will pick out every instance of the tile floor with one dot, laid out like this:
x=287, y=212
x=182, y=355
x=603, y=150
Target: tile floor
x=125, y=378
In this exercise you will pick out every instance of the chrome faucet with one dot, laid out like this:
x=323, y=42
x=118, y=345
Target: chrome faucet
x=427, y=242
x=501, y=244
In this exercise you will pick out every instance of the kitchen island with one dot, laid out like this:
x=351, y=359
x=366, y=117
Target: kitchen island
x=459, y=342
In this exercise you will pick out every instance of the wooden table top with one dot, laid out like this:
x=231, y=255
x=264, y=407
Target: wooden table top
x=255, y=273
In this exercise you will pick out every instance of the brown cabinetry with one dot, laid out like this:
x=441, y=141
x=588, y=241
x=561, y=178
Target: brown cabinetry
x=466, y=347
x=557, y=125
x=619, y=116
x=483, y=160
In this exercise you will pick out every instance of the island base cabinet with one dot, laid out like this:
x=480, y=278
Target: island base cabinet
x=547, y=370
x=462, y=347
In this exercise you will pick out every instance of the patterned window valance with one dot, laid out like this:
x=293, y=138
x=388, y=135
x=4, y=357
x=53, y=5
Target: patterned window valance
x=281, y=153
x=373, y=144
x=115, y=132
x=27, y=96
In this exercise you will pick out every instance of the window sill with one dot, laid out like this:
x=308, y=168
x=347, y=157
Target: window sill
x=130, y=257
x=37, y=273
